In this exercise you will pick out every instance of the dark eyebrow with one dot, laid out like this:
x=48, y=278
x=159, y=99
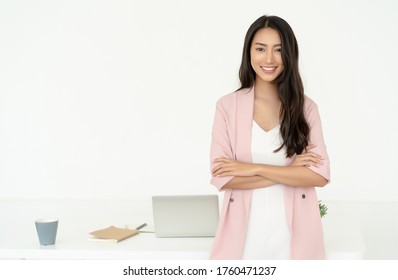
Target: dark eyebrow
x=265, y=45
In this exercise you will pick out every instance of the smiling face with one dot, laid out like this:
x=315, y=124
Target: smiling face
x=266, y=55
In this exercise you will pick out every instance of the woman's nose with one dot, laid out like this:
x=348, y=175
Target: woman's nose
x=269, y=57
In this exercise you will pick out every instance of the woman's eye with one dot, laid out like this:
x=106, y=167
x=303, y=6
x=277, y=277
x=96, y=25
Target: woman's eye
x=260, y=49
x=278, y=50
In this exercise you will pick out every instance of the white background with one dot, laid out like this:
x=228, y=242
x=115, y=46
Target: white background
x=115, y=99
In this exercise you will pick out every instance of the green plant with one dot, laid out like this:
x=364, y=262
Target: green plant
x=323, y=209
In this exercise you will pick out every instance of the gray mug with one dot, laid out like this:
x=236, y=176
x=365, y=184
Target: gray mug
x=47, y=231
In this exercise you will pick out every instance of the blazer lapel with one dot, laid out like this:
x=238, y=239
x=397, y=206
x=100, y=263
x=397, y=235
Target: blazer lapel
x=244, y=124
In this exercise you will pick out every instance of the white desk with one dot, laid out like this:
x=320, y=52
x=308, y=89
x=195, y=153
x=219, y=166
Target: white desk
x=342, y=233
x=18, y=238
x=144, y=246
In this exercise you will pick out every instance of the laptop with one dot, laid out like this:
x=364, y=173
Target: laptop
x=185, y=215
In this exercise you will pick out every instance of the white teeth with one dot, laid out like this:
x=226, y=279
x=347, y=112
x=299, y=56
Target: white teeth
x=268, y=68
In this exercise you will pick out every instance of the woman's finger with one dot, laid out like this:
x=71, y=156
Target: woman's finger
x=221, y=172
x=312, y=159
x=221, y=168
x=315, y=157
x=312, y=154
x=218, y=160
x=217, y=169
x=309, y=147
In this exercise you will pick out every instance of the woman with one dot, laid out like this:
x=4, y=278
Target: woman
x=268, y=154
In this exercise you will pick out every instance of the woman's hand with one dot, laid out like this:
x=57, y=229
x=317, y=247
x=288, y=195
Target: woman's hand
x=307, y=158
x=230, y=167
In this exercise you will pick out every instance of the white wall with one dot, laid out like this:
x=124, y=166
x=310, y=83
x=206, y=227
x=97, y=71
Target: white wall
x=115, y=99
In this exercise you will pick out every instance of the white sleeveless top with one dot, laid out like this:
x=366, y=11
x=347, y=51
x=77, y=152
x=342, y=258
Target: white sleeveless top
x=268, y=235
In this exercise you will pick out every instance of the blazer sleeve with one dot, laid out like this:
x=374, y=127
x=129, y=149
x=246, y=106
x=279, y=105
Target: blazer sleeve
x=220, y=143
x=316, y=138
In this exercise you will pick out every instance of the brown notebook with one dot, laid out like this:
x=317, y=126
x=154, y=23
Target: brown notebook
x=112, y=234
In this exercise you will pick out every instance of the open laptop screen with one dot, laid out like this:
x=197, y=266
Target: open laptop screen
x=185, y=215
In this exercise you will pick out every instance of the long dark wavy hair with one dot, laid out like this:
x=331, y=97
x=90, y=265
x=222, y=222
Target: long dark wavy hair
x=294, y=127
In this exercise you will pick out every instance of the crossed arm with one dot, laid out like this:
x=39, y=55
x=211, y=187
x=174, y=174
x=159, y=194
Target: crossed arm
x=253, y=175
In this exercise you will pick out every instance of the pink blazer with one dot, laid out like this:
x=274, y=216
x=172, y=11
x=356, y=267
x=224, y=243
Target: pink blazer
x=231, y=138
